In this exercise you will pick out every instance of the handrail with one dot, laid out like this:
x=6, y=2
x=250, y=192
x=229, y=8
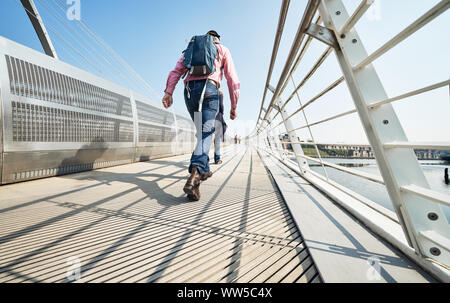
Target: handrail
x=311, y=8
x=421, y=145
x=379, y=103
x=281, y=22
x=316, y=97
x=389, y=149
x=411, y=93
x=380, y=209
x=408, y=31
x=357, y=14
x=310, y=73
x=328, y=119
x=297, y=61
x=303, y=51
x=367, y=176
x=427, y=193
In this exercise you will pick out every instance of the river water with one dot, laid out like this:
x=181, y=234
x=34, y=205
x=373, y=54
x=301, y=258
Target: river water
x=433, y=170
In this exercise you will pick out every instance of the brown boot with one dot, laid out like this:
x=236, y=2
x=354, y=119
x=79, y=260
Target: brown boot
x=206, y=176
x=192, y=186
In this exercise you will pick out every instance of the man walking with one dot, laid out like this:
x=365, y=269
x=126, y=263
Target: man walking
x=201, y=94
x=220, y=129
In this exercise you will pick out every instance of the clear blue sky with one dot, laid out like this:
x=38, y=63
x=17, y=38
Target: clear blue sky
x=150, y=36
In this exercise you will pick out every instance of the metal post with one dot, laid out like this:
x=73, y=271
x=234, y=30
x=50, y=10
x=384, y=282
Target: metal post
x=270, y=139
x=176, y=147
x=282, y=149
x=421, y=219
x=293, y=138
x=276, y=140
x=135, y=125
x=39, y=27
x=267, y=139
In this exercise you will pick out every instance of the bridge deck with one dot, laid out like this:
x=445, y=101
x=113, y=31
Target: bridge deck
x=133, y=223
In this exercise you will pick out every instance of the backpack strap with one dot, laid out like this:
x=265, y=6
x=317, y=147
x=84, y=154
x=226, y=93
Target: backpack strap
x=218, y=53
x=184, y=75
x=200, y=103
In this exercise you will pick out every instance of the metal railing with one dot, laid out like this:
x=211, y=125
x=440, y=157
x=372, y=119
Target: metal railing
x=57, y=119
x=417, y=207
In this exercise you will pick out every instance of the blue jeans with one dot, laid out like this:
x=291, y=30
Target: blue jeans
x=192, y=94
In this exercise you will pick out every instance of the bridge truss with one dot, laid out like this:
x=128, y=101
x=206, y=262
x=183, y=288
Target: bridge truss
x=425, y=233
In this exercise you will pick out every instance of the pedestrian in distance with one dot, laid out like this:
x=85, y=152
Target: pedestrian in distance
x=220, y=129
x=204, y=63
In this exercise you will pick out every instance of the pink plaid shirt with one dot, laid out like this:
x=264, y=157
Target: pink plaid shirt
x=223, y=64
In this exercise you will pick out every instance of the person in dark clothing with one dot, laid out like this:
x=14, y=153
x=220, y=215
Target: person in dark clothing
x=220, y=129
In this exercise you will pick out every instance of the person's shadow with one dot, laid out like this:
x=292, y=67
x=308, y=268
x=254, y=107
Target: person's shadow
x=84, y=160
x=150, y=187
x=85, y=157
x=147, y=180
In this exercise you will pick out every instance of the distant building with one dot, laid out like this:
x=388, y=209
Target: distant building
x=341, y=150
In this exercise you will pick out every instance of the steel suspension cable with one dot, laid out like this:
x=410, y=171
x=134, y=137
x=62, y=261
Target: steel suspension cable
x=310, y=131
x=84, y=27
x=86, y=44
x=62, y=39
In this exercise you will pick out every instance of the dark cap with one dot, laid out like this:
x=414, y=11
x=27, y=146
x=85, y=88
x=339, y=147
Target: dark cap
x=213, y=33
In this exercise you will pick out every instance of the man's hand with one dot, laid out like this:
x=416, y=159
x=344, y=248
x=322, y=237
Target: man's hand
x=233, y=114
x=167, y=100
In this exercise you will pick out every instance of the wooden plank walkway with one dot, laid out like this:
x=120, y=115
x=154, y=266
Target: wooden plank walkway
x=133, y=223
